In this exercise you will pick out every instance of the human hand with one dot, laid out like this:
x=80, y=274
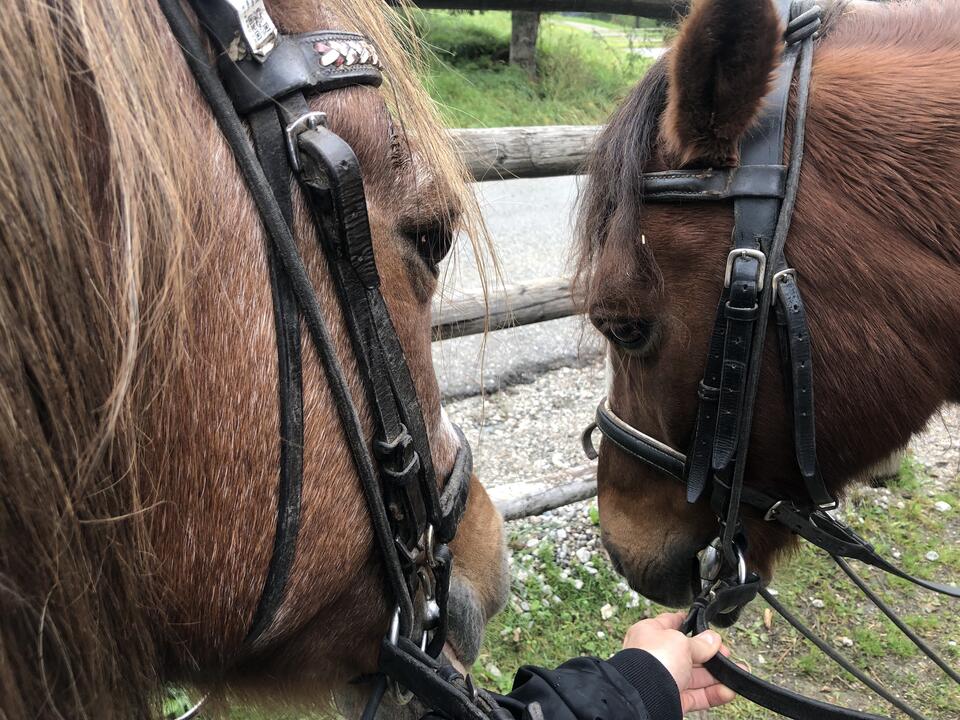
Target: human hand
x=683, y=657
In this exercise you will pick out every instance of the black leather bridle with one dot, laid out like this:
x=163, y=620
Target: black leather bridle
x=758, y=279
x=263, y=77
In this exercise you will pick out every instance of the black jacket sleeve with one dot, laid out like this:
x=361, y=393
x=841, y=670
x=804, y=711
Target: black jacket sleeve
x=632, y=685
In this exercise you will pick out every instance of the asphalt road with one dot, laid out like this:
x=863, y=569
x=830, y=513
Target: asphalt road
x=530, y=222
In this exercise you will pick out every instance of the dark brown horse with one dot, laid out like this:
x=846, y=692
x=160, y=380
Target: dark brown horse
x=875, y=241
x=138, y=379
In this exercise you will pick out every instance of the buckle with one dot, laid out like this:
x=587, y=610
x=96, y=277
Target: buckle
x=772, y=511
x=738, y=253
x=307, y=121
x=787, y=273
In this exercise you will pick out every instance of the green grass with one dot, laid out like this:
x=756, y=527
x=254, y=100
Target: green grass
x=530, y=631
x=581, y=80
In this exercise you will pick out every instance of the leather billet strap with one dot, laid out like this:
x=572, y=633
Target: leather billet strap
x=724, y=184
x=797, y=362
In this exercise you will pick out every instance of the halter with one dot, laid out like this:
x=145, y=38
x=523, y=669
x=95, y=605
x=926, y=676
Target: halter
x=264, y=79
x=756, y=280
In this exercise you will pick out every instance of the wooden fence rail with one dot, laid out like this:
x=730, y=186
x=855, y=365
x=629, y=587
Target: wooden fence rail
x=656, y=9
x=524, y=152
x=514, y=306
x=579, y=483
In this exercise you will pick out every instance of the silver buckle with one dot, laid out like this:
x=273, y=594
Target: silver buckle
x=773, y=509
x=307, y=121
x=746, y=253
x=777, y=279
x=256, y=26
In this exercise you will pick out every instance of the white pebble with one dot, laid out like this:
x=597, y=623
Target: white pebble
x=845, y=641
x=817, y=603
x=896, y=553
x=608, y=611
x=578, y=584
x=533, y=542
x=561, y=534
x=590, y=569
x=932, y=556
x=761, y=660
x=601, y=634
x=773, y=592
x=583, y=555
x=494, y=670
x=942, y=506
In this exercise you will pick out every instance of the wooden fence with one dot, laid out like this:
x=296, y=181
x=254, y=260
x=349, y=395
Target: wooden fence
x=521, y=152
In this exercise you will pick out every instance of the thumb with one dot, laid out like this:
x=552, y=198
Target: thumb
x=704, y=646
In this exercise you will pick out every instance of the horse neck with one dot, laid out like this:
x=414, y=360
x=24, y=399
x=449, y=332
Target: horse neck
x=876, y=233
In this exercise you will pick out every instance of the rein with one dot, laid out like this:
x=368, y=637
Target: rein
x=757, y=280
x=263, y=83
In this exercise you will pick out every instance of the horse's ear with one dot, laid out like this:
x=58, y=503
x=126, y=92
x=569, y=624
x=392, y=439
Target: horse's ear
x=720, y=68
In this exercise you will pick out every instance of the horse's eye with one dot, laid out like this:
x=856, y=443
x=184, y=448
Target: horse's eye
x=637, y=336
x=432, y=240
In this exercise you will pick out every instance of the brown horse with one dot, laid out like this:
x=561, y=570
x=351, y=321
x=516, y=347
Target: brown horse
x=875, y=240
x=139, y=443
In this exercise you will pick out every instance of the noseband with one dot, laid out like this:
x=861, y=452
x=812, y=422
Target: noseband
x=265, y=79
x=756, y=280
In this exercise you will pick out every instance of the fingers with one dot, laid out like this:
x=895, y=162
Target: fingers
x=704, y=646
x=705, y=697
x=700, y=678
x=670, y=621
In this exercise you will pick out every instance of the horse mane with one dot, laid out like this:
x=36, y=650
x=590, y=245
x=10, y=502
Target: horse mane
x=102, y=222
x=610, y=210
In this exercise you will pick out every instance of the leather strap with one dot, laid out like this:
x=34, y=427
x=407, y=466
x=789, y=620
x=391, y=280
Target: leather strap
x=797, y=361
x=741, y=181
x=643, y=447
x=763, y=693
x=271, y=151
x=425, y=677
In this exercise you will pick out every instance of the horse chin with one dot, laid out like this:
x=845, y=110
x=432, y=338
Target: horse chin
x=465, y=624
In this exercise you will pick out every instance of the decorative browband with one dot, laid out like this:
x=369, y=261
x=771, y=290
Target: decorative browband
x=317, y=61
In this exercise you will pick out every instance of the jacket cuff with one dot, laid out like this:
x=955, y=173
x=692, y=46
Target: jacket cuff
x=651, y=680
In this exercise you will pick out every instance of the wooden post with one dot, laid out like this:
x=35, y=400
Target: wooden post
x=524, y=27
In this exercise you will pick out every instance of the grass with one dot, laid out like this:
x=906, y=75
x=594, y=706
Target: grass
x=548, y=625
x=581, y=78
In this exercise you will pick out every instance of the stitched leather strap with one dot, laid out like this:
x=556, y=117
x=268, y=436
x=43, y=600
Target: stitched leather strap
x=742, y=181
